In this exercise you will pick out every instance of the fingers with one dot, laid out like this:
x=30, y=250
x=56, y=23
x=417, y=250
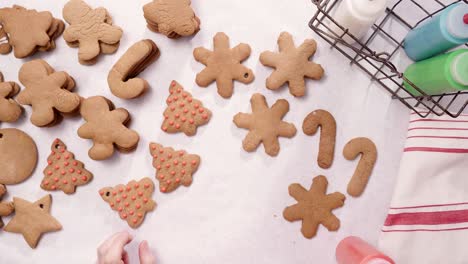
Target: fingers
x=122, y=239
x=106, y=245
x=145, y=254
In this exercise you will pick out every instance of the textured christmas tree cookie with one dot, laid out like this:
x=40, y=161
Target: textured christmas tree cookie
x=132, y=201
x=135, y=60
x=106, y=127
x=265, y=125
x=32, y=219
x=6, y=209
x=48, y=92
x=63, y=172
x=368, y=151
x=10, y=110
x=88, y=28
x=173, y=168
x=183, y=113
x=173, y=18
x=223, y=65
x=326, y=122
x=18, y=156
x=314, y=207
x=291, y=64
x=27, y=31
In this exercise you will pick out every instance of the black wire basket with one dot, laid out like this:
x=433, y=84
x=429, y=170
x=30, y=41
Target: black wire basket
x=378, y=52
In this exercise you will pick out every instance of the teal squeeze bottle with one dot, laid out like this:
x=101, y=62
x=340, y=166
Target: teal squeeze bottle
x=445, y=31
x=441, y=74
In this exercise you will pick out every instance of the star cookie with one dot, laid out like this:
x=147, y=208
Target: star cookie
x=291, y=64
x=265, y=125
x=32, y=219
x=223, y=65
x=314, y=207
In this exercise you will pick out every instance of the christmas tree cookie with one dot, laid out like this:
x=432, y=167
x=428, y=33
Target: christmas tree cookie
x=63, y=172
x=173, y=167
x=132, y=201
x=184, y=113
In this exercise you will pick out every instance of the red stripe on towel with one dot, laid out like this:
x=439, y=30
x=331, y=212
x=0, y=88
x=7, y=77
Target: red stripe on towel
x=414, y=113
x=431, y=149
x=438, y=137
x=438, y=120
x=437, y=128
x=428, y=205
x=425, y=230
x=427, y=218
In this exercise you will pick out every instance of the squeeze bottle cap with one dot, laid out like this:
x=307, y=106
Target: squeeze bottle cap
x=457, y=21
x=459, y=68
x=370, y=9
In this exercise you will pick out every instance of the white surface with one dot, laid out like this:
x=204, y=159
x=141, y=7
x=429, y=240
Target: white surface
x=232, y=213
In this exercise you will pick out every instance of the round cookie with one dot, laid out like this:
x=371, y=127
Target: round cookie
x=18, y=156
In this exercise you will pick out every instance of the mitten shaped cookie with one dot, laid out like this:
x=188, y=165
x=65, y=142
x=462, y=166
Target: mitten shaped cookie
x=314, y=206
x=183, y=113
x=63, y=172
x=291, y=64
x=265, y=125
x=47, y=92
x=121, y=78
x=5, y=208
x=106, y=127
x=173, y=167
x=173, y=18
x=132, y=201
x=88, y=28
x=10, y=110
x=223, y=65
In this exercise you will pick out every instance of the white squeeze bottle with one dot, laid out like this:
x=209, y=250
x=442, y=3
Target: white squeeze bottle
x=357, y=16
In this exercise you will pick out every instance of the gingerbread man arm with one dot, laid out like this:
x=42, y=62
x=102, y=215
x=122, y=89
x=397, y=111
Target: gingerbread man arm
x=110, y=34
x=6, y=208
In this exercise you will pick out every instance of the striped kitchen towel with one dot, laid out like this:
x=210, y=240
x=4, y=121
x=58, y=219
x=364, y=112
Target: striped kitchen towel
x=428, y=219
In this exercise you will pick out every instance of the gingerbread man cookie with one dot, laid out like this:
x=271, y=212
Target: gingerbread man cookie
x=314, y=207
x=10, y=110
x=48, y=92
x=183, y=113
x=6, y=209
x=223, y=65
x=291, y=64
x=63, y=172
x=173, y=167
x=265, y=125
x=106, y=127
x=88, y=28
x=173, y=18
x=132, y=201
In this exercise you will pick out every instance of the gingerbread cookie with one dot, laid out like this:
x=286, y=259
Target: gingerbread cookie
x=132, y=201
x=88, y=28
x=326, y=122
x=27, y=31
x=291, y=64
x=6, y=209
x=32, y=219
x=18, y=156
x=135, y=60
x=368, y=151
x=173, y=167
x=183, y=113
x=173, y=18
x=48, y=92
x=63, y=172
x=314, y=207
x=10, y=110
x=223, y=65
x=265, y=125
x=106, y=127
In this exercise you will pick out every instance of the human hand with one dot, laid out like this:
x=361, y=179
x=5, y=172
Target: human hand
x=112, y=250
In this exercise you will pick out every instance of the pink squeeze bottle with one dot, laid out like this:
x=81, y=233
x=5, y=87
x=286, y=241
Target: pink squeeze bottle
x=353, y=250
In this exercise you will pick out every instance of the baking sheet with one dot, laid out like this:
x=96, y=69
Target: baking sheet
x=232, y=213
